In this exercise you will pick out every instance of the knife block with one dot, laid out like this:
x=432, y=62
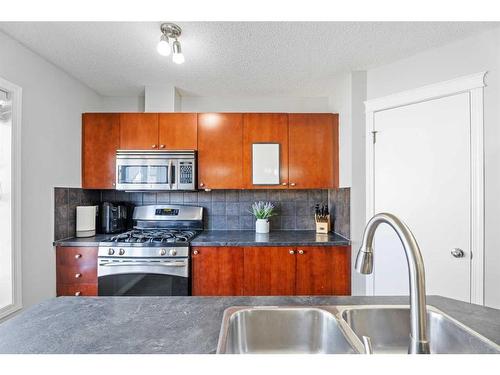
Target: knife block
x=323, y=226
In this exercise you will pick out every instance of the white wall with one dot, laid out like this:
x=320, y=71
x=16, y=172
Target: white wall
x=253, y=104
x=122, y=103
x=339, y=101
x=51, y=134
x=471, y=55
x=346, y=98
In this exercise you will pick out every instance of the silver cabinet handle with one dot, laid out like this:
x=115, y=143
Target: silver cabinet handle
x=301, y=252
x=292, y=252
x=78, y=256
x=153, y=146
x=162, y=146
x=292, y=183
x=77, y=294
x=196, y=252
x=458, y=253
x=78, y=275
x=284, y=183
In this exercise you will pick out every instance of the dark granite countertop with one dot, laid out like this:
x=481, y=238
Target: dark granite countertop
x=82, y=241
x=274, y=238
x=172, y=324
x=237, y=238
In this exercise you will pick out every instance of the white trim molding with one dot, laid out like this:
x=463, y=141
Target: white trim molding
x=474, y=85
x=16, y=93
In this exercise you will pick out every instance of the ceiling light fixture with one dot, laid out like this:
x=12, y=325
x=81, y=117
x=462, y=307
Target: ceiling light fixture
x=170, y=31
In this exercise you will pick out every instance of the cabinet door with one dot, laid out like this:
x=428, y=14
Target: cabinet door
x=139, y=131
x=265, y=128
x=220, y=137
x=100, y=140
x=217, y=271
x=313, y=151
x=269, y=271
x=76, y=271
x=178, y=131
x=324, y=270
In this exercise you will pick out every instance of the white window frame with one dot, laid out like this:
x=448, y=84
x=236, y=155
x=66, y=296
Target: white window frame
x=473, y=85
x=16, y=93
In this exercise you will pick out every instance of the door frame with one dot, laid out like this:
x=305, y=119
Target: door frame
x=16, y=92
x=473, y=85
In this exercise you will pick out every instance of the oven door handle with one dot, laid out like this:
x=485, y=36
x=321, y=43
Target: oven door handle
x=128, y=264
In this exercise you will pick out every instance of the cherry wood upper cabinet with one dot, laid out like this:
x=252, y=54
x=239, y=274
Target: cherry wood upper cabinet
x=100, y=140
x=178, y=131
x=220, y=137
x=269, y=271
x=313, y=150
x=217, y=271
x=323, y=270
x=265, y=128
x=139, y=131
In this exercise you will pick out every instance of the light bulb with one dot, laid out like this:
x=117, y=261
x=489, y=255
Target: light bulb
x=178, y=56
x=163, y=46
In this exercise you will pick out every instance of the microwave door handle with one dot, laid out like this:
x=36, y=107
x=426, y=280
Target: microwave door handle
x=170, y=174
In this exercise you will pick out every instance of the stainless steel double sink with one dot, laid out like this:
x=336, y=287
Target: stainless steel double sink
x=340, y=329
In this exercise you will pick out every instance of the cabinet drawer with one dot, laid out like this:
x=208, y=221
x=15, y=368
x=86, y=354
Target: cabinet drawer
x=80, y=290
x=76, y=256
x=81, y=274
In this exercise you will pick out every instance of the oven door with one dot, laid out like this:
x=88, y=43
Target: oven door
x=143, y=277
x=146, y=174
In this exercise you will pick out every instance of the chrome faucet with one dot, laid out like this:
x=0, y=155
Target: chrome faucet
x=419, y=344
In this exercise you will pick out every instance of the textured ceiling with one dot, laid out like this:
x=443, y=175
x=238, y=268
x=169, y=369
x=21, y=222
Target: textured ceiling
x=230, y=58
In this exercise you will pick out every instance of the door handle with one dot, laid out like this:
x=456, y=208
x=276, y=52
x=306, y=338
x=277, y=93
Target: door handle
x=170, y=174
x=458, y=253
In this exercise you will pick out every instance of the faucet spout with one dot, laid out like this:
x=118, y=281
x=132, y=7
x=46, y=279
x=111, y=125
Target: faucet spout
x=419, y=344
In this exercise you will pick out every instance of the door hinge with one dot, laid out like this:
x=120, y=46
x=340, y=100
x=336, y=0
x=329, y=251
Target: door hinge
x=374, y=135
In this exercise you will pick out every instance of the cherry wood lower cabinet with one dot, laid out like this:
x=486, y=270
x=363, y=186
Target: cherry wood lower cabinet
x=269, y=271
x=323, y=270
x=265, y=271
x=217, y=271
x=76, y=271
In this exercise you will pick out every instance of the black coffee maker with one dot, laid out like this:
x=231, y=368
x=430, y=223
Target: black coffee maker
x=113, y=218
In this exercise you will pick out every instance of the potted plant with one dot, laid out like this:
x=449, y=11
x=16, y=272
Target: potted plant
x=262, y=212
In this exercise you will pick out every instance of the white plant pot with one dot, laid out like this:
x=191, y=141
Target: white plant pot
x=262, y=226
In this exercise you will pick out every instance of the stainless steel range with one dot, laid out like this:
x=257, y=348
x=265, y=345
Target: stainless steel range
x=153, y=258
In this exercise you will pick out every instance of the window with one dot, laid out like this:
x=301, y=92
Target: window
x=10, y=295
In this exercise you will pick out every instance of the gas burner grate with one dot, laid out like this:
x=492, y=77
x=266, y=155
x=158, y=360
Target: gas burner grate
x=154, y=236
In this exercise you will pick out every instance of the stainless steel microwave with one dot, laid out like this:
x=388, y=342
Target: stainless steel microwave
x=155, y=170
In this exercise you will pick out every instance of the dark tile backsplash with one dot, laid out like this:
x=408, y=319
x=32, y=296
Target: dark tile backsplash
x=224, y=209
x=339, y=201
x=66, y=200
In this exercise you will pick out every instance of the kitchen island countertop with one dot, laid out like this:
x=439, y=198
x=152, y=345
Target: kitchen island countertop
x=172, y=324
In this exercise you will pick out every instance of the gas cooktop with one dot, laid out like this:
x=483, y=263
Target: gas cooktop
x=153, y=237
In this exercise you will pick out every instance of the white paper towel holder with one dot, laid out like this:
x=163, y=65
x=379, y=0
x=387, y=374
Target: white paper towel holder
x=86, y=221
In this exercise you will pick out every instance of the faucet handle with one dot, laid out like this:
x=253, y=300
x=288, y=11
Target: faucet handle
x=367, y=342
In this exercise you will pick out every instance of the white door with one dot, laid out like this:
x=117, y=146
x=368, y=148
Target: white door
x=422, y=175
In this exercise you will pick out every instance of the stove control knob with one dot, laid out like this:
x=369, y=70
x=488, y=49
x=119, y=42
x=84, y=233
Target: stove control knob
x=121, y=252
x=111, y=251
x=172, y=252
x=163, y=252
